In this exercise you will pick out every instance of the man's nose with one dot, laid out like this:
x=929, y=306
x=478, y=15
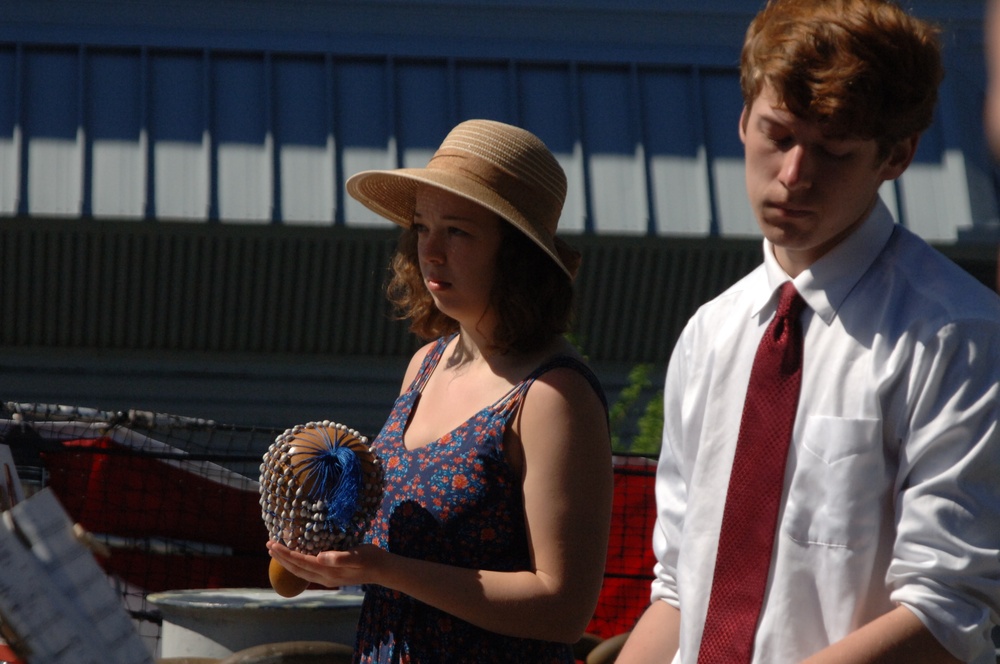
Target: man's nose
x=796, y=169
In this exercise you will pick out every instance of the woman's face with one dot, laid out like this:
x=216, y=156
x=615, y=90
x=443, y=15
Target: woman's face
x=457, y=246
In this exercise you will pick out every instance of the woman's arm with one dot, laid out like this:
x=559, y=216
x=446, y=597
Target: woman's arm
x=568, y=486
x=563, y=434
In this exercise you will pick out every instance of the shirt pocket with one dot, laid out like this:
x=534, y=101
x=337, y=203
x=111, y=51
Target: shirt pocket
x=837, y=490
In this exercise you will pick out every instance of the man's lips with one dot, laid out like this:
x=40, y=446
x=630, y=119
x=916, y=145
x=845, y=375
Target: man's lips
x=787, y=210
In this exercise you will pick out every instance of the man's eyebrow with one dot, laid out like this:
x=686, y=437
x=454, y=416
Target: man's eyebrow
x=776, y=116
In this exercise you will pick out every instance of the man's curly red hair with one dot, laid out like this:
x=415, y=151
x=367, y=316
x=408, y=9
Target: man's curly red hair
x=860, y=68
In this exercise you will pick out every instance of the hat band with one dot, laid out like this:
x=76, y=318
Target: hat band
x=531, y=205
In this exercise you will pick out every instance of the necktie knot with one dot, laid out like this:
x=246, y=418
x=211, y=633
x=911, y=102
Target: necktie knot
x=786, y=324
x=790, y=303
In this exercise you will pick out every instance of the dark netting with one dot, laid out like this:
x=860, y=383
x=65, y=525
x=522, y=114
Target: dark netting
x=172, y=503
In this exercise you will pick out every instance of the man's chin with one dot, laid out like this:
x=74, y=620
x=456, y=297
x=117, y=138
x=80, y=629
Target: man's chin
x=780, y=234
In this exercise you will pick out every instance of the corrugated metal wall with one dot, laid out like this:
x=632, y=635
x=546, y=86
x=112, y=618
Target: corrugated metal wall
x=306, y=291
x=267, y=290
x=277, y=324
x=174, y=231
x=202, y=288
x=270, y=137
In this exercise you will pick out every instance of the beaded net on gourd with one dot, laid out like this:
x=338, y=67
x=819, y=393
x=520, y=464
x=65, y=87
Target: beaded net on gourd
x=320, y=485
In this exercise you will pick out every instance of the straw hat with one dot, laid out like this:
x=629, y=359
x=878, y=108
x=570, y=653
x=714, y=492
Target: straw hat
x=506, y=169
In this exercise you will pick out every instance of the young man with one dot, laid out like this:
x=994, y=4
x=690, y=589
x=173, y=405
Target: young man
x=877, y=537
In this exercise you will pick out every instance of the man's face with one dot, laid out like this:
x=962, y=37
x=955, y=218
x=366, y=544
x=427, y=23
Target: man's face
x=809, y=191
x=991, y=119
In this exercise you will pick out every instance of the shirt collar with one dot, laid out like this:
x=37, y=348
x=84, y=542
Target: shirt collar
x=827, y=282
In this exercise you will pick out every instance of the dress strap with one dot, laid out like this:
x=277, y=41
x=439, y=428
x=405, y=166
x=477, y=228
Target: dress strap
x=430, y=362
x=509, y=402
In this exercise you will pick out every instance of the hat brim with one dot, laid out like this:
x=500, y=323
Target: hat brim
x=392, y=194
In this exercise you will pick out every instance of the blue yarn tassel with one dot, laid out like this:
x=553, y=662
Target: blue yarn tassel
x=336, y=476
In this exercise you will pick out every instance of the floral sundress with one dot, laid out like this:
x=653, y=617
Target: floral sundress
x=455, y=501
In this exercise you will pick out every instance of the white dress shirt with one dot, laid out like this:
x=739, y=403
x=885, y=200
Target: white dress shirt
x=892, y=488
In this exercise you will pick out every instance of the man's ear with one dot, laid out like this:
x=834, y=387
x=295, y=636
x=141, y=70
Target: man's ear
x=900, y=156
x=743, y=125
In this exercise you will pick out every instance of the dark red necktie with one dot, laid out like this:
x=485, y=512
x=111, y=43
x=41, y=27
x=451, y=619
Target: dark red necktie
x=750, y=516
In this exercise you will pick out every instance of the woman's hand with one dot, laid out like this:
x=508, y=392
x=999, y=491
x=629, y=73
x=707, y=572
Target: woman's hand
x=332, y=569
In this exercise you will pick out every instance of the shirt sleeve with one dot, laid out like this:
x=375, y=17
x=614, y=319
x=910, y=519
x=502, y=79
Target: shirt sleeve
x=946, y=558
x=671, y=488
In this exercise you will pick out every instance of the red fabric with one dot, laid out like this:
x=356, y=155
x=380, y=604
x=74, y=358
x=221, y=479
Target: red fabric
x=157, y=572
x=629, y=570
x=124, y=494
x=750, y=515
x=7, y=655
x=110, y=491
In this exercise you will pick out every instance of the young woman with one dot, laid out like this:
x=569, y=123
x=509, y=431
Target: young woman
x=491, y=539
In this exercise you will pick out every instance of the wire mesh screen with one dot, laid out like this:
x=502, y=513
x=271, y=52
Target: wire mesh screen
x=171, y=503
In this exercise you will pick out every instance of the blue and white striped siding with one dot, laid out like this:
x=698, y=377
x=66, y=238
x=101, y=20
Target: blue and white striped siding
x=269, y=136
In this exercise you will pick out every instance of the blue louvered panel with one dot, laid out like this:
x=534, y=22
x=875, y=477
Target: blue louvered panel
x=260, y=137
